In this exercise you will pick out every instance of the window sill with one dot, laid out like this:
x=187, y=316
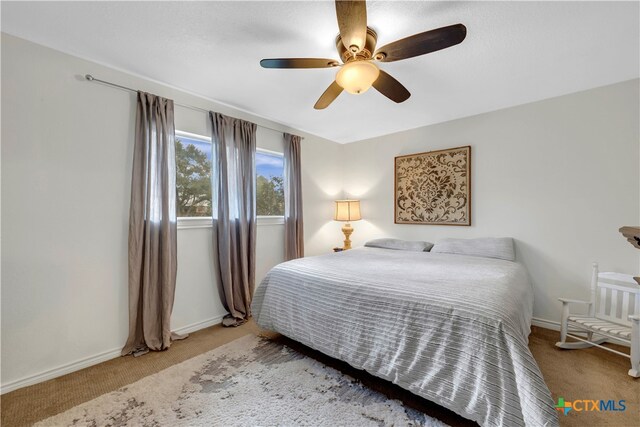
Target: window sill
x=194, y=222
x=205, y=222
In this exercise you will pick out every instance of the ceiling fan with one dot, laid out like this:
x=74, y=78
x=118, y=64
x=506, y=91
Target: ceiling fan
x=356, y=46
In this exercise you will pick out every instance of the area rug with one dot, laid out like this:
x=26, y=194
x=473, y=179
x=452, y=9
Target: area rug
x=251, y=381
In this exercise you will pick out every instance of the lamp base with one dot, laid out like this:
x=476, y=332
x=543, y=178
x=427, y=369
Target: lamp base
x=347, y=230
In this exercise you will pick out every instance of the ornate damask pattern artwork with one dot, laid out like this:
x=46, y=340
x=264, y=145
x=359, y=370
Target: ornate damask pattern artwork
x=434, y=187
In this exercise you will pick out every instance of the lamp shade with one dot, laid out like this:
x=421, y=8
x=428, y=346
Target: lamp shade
x=347, y=210
x=356, y=77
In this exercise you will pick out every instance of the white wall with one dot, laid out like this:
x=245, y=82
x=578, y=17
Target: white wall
x=560, y=176
x=66, y=164
x=322, y=183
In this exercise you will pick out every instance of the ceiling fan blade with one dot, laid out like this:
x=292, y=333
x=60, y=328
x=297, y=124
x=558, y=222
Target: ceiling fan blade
x=391, y=88
x=419, y=44
x=328, y=96
x=352, y=21
x=298, y=63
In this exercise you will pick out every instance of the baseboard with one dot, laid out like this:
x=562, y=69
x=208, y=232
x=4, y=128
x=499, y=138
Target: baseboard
x=112, y=354
x=60, y=370
x=92, y=360
x=199, y=325
x=546, y=324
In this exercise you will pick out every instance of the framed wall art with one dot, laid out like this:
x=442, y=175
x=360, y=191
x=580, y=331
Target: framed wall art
x=433, y=187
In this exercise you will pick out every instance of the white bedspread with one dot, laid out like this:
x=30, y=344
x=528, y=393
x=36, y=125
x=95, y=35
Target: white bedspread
x=450, y=328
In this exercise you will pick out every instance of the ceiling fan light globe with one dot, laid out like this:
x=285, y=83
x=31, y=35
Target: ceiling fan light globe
x=357, y=77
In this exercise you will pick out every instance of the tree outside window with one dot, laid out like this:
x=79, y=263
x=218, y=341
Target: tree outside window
x=269, y=184
x=193, y=179
x=193, y=176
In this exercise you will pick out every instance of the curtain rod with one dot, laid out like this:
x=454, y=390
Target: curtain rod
x=90, y=78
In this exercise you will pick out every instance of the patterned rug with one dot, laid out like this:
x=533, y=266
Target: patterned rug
x=250, y=381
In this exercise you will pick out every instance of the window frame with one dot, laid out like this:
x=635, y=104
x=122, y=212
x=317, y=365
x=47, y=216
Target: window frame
x=186, y=222
x=271, y=219
x=190, y=222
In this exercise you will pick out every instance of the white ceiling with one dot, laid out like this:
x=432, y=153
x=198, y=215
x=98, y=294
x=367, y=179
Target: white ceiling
x=514, y=53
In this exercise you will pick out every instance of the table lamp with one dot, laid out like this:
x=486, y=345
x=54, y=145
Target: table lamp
x=347, y=210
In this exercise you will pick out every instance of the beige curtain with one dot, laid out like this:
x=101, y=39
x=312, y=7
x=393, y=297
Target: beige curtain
x=293, y=225
x=152, y=227
x=234, y=216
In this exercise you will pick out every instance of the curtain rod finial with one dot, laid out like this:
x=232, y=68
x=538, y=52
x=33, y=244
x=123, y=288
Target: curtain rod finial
x=88, y=77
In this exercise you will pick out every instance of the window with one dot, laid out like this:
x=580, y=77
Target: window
x=193, y=182
x=193, y=175
x=269, y=183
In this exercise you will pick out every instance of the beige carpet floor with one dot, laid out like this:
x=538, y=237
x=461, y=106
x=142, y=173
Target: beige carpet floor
x=583, y=374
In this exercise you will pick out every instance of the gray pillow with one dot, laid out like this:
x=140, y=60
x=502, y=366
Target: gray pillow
x=488, y=247
x=403, y=245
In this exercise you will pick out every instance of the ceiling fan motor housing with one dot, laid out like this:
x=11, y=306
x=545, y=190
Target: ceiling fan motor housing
x=364, y=54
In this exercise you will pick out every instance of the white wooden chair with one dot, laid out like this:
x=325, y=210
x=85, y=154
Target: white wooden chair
x=612, y=314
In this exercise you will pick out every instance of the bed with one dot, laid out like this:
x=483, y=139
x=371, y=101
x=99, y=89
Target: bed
x=450, y=328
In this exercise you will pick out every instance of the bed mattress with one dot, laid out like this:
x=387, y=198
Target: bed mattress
x=450, y=328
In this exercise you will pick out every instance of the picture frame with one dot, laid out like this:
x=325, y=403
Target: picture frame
x=433, y=187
